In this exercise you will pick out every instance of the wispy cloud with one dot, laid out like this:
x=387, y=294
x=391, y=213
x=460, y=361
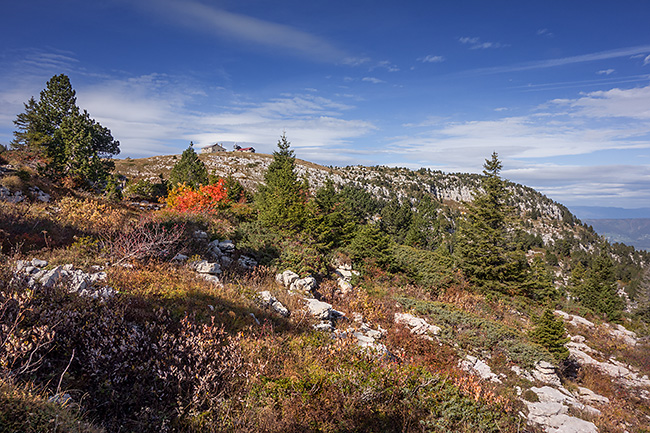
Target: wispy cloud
x=385, y=64
x=646, y=60
x=562, y=61
x=431, y=59
x=372, y=80
x=475, y=43
x=154, y=114
x=545, y=33
x=224, y=24
x=606, y=72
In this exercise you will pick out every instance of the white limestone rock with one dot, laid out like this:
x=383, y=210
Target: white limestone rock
x=319, y=309
x=545, y=373
x=268, y=300
x=205, y=267
x=417, y=325
x=475, y=366
x=304, y=285
x=287, y=278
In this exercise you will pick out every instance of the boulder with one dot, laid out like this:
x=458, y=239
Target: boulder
x=227, y=246
x=545, y=373
x=304, y=285
x=247, y=262
x=268, y=300
x=344, y=286
x=587, y=395
x=211, y=279
x=200, y=234
x=39, y=263
x=286, y=278
x=51, y=277
x=319, y=309
x=205, y=267
x=180, y=258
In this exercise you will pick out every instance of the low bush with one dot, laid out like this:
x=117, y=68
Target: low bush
x=473, y=332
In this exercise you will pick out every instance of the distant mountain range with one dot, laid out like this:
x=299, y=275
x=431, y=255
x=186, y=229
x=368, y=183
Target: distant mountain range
x=596, y=212
x=627, y=226
x=629, y=231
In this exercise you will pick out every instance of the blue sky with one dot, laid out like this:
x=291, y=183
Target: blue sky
x=561, y=90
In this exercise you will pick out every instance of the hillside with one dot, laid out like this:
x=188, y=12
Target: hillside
x=360, y=299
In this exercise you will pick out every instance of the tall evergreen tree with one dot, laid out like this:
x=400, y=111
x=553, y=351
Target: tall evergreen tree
x=282, y=199
x=189, y=170
x=482, y=244
x=598, y=291
x=71, y=143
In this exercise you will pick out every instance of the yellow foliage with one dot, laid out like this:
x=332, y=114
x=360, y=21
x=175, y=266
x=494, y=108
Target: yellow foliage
x=90, y=215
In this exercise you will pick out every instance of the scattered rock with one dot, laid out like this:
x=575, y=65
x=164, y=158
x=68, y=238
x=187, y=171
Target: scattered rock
x=319, y=309
x=205, y=267
x=417, y=325
x=39, y=194
x=268, y=300
x=39, y=263
x=180, y=258
x=212, y=279
x=61, y=399
x=287, y=278
x=200, y=234
x=247, y=262
x=545, y=373
x=587, y=395
x=304, y=286
x=575, y=320
x=554, y=418
x=474, y=365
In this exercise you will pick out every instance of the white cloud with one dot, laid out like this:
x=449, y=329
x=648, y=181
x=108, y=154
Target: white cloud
x=372, y=80
x=153, y=114
x=551, y=63
x=476, y=44
x=606, y=72
x=431, y=59
x=224, y=24
x=385, y=64
x=646, y=60
x=545, y=33
x=615, y=103
x=597, y=128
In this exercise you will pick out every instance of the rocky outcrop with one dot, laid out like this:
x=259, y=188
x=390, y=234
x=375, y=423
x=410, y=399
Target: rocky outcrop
x=269, y=301
x=417, y=325
x=473, y=365
x=551, y=412
x=75, y=280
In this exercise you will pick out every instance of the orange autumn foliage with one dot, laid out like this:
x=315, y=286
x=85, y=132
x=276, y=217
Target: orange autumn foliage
x=184, y=198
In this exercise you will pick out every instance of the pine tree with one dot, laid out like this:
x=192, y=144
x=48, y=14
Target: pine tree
x=598, y=291
x=482, y=243
x=71, y=143
x=282, y=199
x=550, y=334
x=189, y=170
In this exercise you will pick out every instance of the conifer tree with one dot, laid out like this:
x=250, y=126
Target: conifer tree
x=598, y=291
x=482, y=244
x=189, y=170
x=282, y=199
x=71, y=143
x=550, y=334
